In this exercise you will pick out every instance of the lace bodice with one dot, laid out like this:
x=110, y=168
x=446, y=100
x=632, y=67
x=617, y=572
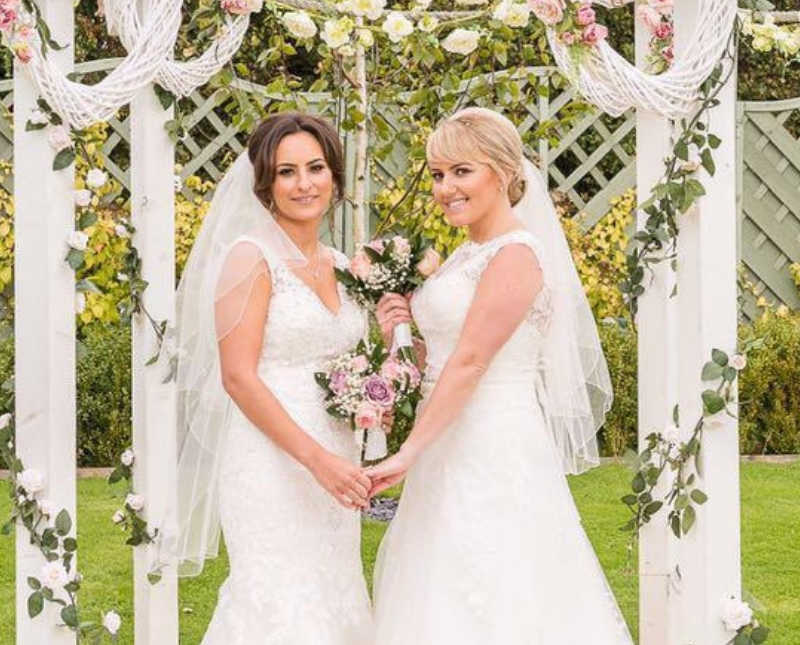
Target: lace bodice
x=440, y=307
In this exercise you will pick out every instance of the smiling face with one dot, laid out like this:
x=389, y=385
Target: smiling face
x=466, y=190
x=302, y=187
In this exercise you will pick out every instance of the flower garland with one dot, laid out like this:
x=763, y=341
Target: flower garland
x=656, y=16
x=58, y=582
x=17, y=29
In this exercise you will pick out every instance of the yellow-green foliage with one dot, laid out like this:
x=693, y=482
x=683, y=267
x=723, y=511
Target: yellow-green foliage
x=189, y=215
x=794, y=270
x=600, y=255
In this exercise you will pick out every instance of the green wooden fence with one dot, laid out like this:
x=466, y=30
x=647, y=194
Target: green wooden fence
x=591, y=161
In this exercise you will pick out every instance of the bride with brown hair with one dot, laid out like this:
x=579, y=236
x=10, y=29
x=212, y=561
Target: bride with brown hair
x=487, y=546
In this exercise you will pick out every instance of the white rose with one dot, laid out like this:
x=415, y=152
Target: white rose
x=118, y=517
x=112, y=622
x=121, y=230
x=59, y=139
x=672, y=434
x=38, y=117
x=31, y=481
x=738, y=362
x=80, y=302
x=78, y=240
x=397, y=26
x=46, y=508
x=54, y=575
x=136, y=502
x=372, y=9
x=300, y=24
x=82, y=197
x=461, y=41
x=427, y=23
x=95, y=178
x=336, y=33
x=512, y=14
x=5, y=419
x=365, y=37
x=736, y=614
x=127, y=457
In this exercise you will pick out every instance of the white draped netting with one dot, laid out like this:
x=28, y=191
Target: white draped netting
x=81, y=105
x=180, y=78
x=614, y=85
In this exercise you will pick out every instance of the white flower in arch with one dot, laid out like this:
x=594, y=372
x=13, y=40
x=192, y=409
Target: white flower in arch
x=427, y=23
x=299, y=24
x=54, y=575
x=96, y=178
x=512, y=14
x=461, y=41
x=336, y=33
x=397, y=26
x=372, y=9
x=78, y=240
x=736, y=614
x=365, y=37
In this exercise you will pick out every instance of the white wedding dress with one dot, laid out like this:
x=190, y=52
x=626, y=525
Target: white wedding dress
x=487, y=546
x=296, y=576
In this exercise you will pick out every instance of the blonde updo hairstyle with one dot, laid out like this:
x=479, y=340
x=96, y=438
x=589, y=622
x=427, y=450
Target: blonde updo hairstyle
x=482, y=135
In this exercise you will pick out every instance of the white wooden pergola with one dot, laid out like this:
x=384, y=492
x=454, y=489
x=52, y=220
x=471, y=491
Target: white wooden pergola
x=675, y=336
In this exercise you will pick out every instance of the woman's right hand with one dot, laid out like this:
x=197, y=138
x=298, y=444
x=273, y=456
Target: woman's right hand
x=392, y=310
x=341, y=478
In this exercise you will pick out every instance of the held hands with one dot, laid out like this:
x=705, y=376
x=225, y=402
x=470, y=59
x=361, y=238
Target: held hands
x=392, y=310
x=342, y=479
x=390, y=471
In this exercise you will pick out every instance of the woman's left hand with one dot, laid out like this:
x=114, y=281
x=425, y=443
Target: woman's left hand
x=390, y=471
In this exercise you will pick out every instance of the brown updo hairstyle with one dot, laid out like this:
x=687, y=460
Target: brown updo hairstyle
x=265, y=139
x=484, y=136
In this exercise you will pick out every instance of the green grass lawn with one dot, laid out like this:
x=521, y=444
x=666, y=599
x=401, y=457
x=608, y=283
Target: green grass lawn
x=770, y=535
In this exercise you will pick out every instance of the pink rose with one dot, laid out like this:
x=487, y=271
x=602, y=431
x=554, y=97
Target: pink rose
x=414, y=377
x=649, y=17
x=663, y=31
x=585, y=15
x=668, y=54
x=664, y=7
x=360, y=265
x=359, y=363
x=241, y=7
x=550, y=12
x=392, y=370
x=367, y=416
x=7, y=18
x=377, y=245
x=338, y=382
x=429, y=263
x=401, y=245
x=594, y=33
x=567, y=37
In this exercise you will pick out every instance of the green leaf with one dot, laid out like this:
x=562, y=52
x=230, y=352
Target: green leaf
x=742, y=638
x=681, y=151
x=86, y=219
x=688, y=519
x=699, y=496
x=30, y=126
x=711, y=371
x=64, y=159
x=759, y=634
x=638, y=484
x=70, y=544
x=115, y=475
x=729, y=374
x=154, y=577
x=675, y=525
x=713, y=402
x=714, y=141
x=34, y=584
x=708, y=162
x=63, y=522
x=653, y=507
x=719, y=357
x=629, y=499
x=70, y=615
x=75, y=258
x=35, y=604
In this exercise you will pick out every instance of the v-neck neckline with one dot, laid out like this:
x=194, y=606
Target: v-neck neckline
x=316, y=296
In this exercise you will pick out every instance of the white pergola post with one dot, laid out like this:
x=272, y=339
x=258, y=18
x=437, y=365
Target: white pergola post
x=44, y=326
x=657, y=377
x=154, y=438
x=709, y=556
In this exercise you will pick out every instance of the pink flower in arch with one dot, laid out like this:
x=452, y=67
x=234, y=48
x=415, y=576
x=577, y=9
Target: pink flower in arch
x=593, y=34
x=649, y=17
x=585, y=15
x=550, y=12
x=664, y=7
x=663, y=31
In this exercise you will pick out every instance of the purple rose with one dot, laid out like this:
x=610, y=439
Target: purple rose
x=379, y=391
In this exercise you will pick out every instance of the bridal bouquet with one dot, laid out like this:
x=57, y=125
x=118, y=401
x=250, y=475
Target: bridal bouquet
x=396, y=264
x=365, y=386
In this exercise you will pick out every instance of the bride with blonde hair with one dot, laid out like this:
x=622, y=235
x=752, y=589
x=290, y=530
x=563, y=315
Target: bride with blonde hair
x=487, y=546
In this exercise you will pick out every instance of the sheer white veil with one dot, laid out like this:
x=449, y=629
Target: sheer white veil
x=577, y=387
x=238, y=241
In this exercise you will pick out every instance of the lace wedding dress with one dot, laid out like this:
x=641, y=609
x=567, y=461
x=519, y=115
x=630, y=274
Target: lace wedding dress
x=296, y=576
x=487, y=547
